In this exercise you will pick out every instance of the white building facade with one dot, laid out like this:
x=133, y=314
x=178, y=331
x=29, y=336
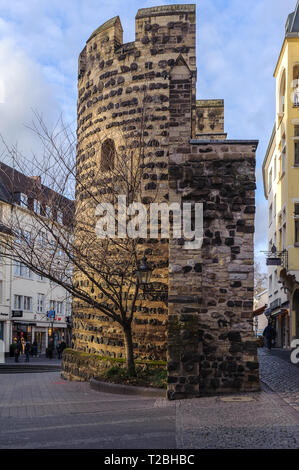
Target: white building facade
x=32, y=308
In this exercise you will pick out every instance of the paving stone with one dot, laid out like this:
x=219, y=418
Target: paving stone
x=44, y=411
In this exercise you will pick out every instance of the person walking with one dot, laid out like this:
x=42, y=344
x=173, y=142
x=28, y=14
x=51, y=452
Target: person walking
x=58, y=349
x=51, y=348
x=62, y=347
x=27, y=351
x=17, y=351
x=269, y=335
x=34, y=349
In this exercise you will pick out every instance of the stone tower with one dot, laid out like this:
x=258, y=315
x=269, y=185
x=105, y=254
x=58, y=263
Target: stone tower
x=203, y=325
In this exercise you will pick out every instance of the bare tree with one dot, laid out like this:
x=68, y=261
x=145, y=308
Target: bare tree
x=60, y=241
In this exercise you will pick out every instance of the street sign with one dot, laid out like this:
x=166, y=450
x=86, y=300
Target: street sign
x=51, y=314
x=273, y=261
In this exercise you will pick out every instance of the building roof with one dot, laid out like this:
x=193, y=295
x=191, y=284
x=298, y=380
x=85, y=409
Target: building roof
x=292, y=24
x=13, y=182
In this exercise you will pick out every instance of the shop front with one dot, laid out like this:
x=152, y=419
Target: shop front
x=43, y=333
x=39, y=332
x=40, y=337
x=281, y=324
x=22, y=331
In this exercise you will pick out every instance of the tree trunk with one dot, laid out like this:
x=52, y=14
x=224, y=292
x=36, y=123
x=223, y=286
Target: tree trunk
x=129, y=350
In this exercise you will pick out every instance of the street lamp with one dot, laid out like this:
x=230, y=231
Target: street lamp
x=143, y=273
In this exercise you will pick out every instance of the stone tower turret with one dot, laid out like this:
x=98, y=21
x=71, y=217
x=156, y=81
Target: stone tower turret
x=203, y=325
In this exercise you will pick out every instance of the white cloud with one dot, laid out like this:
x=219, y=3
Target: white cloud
x=238, y=44
x=24, y=88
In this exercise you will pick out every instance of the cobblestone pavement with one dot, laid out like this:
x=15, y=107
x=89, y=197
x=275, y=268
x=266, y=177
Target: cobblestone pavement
x=268, y=419
x=44, y=411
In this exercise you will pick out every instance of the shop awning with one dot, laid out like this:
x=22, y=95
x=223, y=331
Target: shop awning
x=259, y=311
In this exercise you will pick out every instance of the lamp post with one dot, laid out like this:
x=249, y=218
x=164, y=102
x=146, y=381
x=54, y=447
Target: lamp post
x=143, y=273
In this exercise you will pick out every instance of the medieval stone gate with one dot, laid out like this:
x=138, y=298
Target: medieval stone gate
x=205, y=328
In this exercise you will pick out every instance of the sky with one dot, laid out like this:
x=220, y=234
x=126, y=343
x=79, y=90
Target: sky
x=238, y=44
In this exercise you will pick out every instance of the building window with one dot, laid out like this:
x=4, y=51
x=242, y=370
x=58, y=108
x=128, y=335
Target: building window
x=282, y=92
x=270, y=214
x=59, y=216
x=297, y=232
x=107, y=155
x=295, y=85
x=23, y=200
x=296, y=214
x=68, y=308
x=42, y=239
x=296, y=154
x=48, y=212
x=40, y=303
x=284, y=231
x=270, y=180
x=57, y=306
x=1, y=292
x=28, y=303
x=23, y=303
x=275, y=282
x=283, y=163
x=270, y=284
x=36, y=206
x=22, y=270
x=18, y=302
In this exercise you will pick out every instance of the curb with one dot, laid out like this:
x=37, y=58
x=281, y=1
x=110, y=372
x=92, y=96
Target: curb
x=122, y=389
x=23, y=369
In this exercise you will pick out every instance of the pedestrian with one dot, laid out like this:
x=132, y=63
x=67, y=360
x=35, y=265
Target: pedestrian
x=51, y=348
x=58, y=349
x=62, y=347
x=27, y=351
x=17, y=351
x=34, y=349
x=22, y=346
x=269, y=335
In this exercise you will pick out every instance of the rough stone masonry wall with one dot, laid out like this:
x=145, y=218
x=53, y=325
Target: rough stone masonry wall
x=211, y=346
x=119, y=84
x=210, y=119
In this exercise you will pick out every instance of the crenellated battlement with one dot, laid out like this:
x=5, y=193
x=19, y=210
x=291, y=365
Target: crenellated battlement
x=112, y=23
x=165, y=10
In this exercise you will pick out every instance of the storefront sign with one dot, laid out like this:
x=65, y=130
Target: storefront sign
x=17, y=313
